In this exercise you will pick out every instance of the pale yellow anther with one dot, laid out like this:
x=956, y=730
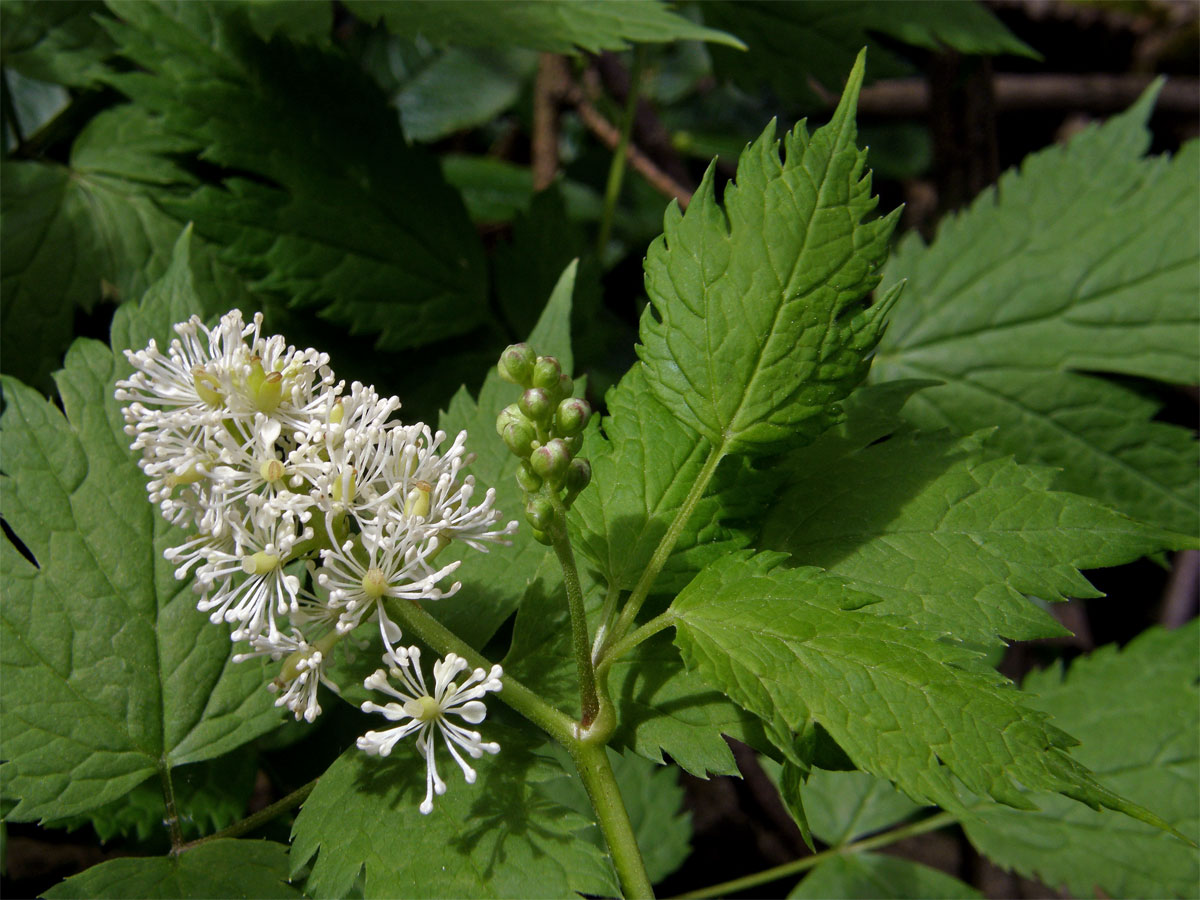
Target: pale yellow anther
x=417, y=501
x=423, y=709
x=374, y=583
x=260, y=563
x=207, y=387
x=271, y=471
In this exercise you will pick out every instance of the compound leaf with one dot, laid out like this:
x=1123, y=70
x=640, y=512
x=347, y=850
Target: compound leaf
x=503, y=836
x=109, y=672
x=795, y=644
x=954, y=536
x=1080, y=262
x=1137, y=712
x=758, y=321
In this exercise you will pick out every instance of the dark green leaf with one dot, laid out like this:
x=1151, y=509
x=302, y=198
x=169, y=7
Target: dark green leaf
x=554, y=26
x=224, y=868
x=109, y=671
x=873, y=876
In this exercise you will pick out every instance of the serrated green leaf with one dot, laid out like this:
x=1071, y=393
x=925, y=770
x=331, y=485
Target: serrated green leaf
x=873, y=876
x=643, y=464
x=500, y=837
x=497, y=191
x=57, y=42
x=758, y=324
x=793, y=644
x=109, y=671
x=954, y=536
x=493, y=582
x=553, y=26
x=841, y=807
x=69, y=230
x=1137, y=713
x=792, y=42
x=652, y=796
x=225, y=868
x=321, y=200
x=1080, y=262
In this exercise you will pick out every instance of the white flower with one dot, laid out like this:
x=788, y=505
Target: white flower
x=301, y=675
x=423, y=711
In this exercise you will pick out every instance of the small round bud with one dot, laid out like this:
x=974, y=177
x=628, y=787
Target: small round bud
x=518, y=437
x=541, y=537
x=539, y=512
x=579, y=475
x=574, y=443
x=529, y=480
x=566, y=387
x=537, y=404
x=516, y=364
x=547, y=373
x=511, y=415
x=551, y=461
x=572, y=414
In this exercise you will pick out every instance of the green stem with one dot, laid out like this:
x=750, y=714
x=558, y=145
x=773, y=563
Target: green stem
x=622, y=647
x=616, y=170
x=666, y=545
x=594, y=769
x=251, y=822
x=604, y=629
x=172, y=820
x=555, y=723
x=940, y=820
x=589, y=703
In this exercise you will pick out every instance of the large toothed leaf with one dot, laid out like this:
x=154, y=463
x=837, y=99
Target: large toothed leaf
x=643, y=465
x=795, y=644
x=1137, y=712
x=554, y=26
x=954, y=535
x=758, y=323
x=500, y=837
x=1081, y=262
x=109, y=672
x=225, y=868
x=319, y=199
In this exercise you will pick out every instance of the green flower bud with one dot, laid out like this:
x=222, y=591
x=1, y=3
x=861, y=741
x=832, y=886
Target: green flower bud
x=579, y=475
x=572, y=414
x=511, y=415
x=537, y=404
x=539, y=512
x=516, y=364
x=529, y=480
x=518, y=437
x=541, y=537
x=574, y=443
x=547, y=373
x=566, y=387
x=551, y=461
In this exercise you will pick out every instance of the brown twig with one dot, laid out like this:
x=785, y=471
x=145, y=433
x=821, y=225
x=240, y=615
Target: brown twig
x=547, y=94
x=909, y=97
x=1180, y=600
x=610, y=135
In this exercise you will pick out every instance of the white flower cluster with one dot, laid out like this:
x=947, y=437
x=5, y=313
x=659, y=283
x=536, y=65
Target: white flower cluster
x=310, y=505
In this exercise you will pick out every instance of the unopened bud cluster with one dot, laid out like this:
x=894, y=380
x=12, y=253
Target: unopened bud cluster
x=544, y=428
x=308, y=507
